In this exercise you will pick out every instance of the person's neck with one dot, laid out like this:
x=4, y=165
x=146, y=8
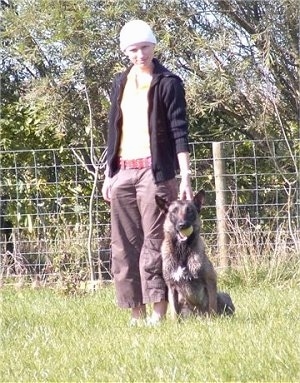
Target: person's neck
x=142, y=71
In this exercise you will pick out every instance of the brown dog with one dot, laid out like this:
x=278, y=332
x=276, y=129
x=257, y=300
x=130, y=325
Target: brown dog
x=189, y=274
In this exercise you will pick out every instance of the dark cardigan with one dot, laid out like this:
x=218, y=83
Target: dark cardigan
x=168, y=128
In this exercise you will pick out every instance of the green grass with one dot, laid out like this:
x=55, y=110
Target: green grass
x=49, y=337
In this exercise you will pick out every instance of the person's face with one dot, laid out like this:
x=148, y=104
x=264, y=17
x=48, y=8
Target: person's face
x=141, y=54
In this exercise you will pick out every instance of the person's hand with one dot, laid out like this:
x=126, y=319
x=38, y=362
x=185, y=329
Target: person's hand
x=106, y=189
x=185, y=188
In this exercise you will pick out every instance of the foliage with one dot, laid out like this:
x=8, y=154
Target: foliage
x=237, y=58
x=239, y=61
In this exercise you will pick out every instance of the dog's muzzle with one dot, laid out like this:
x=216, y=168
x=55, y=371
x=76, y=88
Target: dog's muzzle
x=184, y=234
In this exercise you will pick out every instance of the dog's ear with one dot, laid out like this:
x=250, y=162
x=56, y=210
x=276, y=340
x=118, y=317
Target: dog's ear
x=199, y=199
x=162, y=203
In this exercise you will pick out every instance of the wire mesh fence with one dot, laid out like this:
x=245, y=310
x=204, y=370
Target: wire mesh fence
x=56, y=227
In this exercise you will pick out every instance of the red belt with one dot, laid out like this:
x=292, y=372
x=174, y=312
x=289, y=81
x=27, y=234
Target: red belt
x=139, y=163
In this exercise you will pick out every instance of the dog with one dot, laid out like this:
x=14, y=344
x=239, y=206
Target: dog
x=189, y=274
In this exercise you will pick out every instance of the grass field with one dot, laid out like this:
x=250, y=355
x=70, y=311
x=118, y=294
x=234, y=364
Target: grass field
x=50, y=337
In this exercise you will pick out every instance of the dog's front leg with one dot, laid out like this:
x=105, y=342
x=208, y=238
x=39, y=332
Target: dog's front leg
x=212, y=297
x=173, y=302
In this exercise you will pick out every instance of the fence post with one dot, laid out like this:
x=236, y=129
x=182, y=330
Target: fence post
x=220, y=184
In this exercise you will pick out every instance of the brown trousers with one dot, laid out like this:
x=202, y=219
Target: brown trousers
x=137, y=234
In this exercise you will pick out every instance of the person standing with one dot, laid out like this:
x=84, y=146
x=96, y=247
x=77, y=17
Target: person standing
x=147, y=146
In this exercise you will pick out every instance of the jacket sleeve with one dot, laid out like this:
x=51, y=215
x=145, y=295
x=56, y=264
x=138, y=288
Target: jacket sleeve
x=174, y=100
x=112, y=115
x=112, y=98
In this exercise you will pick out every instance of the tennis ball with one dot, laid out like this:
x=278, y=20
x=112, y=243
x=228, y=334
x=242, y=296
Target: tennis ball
x=187, y=232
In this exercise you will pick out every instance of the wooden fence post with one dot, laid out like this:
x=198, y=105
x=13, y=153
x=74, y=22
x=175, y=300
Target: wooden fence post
x=220, y=184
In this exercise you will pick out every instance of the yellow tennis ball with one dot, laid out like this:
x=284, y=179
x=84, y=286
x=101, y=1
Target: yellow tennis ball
x=187, y=232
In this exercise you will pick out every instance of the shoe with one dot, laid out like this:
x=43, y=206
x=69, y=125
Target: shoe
x=137, y=322
x=154, y=320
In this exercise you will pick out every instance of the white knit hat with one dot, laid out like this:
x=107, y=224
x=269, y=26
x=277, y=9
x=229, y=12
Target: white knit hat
x=134, y=32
